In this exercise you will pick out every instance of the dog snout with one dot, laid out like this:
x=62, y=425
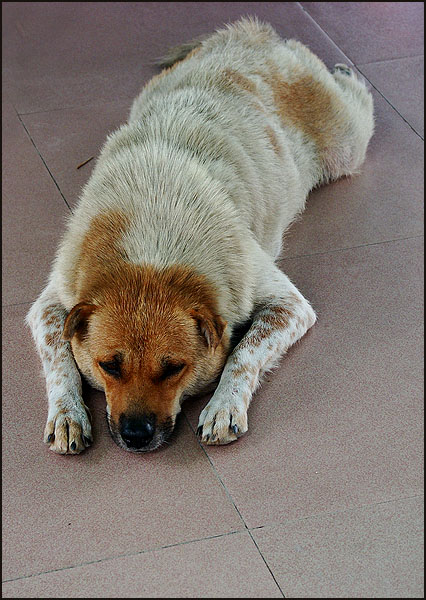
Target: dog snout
x=137, y=432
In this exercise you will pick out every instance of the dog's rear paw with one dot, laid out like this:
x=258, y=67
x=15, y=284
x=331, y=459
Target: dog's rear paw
x=69, y=430
x=222, y=424
x=343, y=69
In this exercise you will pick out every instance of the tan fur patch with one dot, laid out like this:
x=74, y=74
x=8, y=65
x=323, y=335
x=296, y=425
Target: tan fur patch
x=274, y=140
x=49, y=318
x=307, y=105
x=240, y=80
x=99, y=255
x=58, y=363
x=275, y=318
x=240, y=370
x=50, y=340
x=53, y=320
x=46, y=314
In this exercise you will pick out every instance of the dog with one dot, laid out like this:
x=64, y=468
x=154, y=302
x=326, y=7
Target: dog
x=174, y=242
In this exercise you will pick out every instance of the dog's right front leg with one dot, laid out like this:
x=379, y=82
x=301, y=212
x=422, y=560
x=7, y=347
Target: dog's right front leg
x=68, y=429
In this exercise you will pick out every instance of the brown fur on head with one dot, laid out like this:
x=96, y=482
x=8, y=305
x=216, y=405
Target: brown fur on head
x=148, y=339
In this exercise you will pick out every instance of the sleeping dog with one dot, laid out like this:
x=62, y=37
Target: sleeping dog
x=174, y=241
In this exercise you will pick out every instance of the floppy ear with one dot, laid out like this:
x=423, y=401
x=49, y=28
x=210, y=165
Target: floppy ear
x=210, y=326
x=77, y=319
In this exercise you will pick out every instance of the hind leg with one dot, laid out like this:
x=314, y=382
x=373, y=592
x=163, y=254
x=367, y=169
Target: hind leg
x=359, y=102
x=351, y=84
x=344, y=111
x=343, y=70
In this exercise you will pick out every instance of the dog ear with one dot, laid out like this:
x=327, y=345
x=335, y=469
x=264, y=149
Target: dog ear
x=77, y=319
x=210, y=326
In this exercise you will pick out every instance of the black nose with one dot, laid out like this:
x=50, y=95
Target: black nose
x=137, y=432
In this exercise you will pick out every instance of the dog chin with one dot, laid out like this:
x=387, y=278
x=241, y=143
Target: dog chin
x=154, y=445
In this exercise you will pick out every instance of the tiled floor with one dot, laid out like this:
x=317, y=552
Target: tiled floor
x=323, y=496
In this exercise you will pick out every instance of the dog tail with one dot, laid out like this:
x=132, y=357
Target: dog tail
x=178, y=53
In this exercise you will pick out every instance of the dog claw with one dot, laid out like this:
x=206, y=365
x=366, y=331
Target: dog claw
x=50, y=437
x=73, y=446
x=87, y=441
x=343, y=69
x=199, y=430
x=235, y=429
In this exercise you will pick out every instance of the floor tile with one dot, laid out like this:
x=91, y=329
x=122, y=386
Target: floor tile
x=67, y=138
x=401, y=81
x=383, y=202
x=62, y=54
x=33, y=214
x=224, y=567
x=339, y=423
x=45, y=68
x=371, y=552
x=60, y=511
x=372, y=31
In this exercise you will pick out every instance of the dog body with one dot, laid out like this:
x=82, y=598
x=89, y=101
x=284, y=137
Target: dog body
x=174, y=241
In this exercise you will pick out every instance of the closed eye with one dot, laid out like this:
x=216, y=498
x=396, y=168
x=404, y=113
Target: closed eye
x=170, y=370
x=112, y=367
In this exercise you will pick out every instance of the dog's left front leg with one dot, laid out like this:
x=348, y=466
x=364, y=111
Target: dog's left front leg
x=281, y=318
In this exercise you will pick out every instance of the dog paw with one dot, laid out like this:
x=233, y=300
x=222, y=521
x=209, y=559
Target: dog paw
x=68, y=431
x=343, y=69
x=222, y=424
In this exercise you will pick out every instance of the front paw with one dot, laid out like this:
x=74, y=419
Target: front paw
x=68, y=430
x=222, y=422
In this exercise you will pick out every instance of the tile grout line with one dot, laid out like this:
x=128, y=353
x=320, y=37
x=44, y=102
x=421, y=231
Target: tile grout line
x=382, y=60
x=233, y=503
x=334, y=512
x=17, y=304
x=124, y=555
x=389, y=102
x=42, y=159
x=248, y=530
x=280, y=524
x=267, y=566
x=334, y=250
x=216, y=473
x=126, y=101
x=130, y=554
x=350, y=60
x=324, y=32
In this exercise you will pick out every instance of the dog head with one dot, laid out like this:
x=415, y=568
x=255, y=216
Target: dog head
x=150, y=338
